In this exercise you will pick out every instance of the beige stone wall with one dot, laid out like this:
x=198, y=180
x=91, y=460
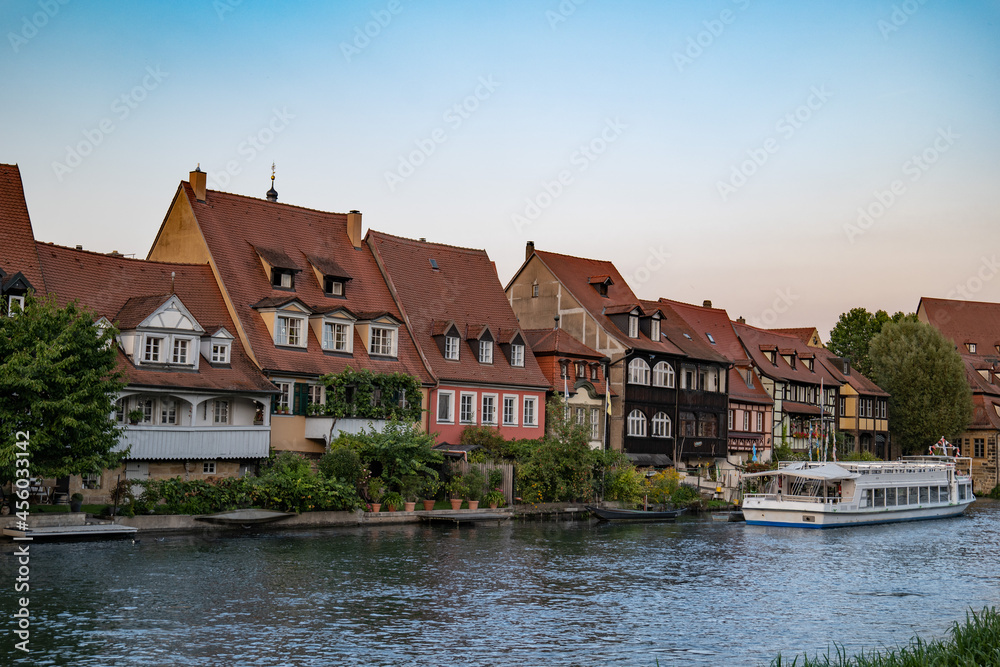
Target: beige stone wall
x=187, y=470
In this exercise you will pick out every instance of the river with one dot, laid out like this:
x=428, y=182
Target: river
x=525, y=593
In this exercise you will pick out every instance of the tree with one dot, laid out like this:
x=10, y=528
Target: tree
x=59, y=379
x=853, y=333
x=925, y=376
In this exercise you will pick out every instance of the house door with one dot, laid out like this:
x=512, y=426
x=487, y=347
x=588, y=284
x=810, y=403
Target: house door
x=137, y=470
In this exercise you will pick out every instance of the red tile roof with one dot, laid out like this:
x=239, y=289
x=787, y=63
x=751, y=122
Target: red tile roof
x=714, y=321
x=755, y=339
x=17, y=240
x=575, y=272
x=233, y=225
x=464, y=289
x=676, y=329
x=741, y=392
x=114, y=285
x=558, y=342
x=965, y=321
x=859, y=382
x=805, y=334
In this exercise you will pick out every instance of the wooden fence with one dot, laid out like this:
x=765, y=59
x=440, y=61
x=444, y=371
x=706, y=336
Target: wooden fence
x=506, y=468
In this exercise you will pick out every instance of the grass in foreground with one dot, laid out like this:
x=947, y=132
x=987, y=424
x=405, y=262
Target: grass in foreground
x=975, y=643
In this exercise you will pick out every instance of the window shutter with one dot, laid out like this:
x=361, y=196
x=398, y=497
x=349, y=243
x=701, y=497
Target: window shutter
x=301, y=398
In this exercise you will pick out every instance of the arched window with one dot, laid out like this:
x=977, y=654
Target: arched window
x=663, y=375
x=661, y=425
x=638, y=372
x=637, y=424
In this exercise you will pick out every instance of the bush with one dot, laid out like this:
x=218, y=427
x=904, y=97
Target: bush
x=995, y=493
x=342, y=464
x=661, y=487
x=624, y=484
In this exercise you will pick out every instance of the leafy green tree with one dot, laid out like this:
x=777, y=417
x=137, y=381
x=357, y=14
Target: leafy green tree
x=853, y=333
x=559, y=467
x=399, y=450
x=925, y=376
x=59, y=379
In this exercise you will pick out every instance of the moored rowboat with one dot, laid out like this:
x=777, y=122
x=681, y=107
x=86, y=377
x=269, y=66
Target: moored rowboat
x=607, y=514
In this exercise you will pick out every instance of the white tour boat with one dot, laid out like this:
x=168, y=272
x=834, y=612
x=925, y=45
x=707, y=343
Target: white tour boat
x=828, y=495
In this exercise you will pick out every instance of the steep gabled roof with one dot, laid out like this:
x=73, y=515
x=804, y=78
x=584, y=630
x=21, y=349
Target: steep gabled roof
x=714, y=322
x=17, y=239
x=855, y=379
x=964, y=322
x=463, y=290
x=753, y=339
x=114, y=286
x=236, y=228
x=545, y=342
x=676, y=329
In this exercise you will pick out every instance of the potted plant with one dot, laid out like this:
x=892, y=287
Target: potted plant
x=431, y=487
x=410, y=490
x=135, y=416
x=392, y=500
x=457, y=491
x=76, y=502
x=376, y=487
x=474, y=481
x=494, y=499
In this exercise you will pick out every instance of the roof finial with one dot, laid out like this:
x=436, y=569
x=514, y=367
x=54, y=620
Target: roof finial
x=272, y=194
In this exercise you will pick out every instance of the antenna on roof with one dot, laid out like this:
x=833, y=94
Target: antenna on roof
x=173, y=274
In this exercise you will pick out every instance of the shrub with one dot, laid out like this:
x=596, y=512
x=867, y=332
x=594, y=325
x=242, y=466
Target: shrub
x=624, y=484
x=343, y=464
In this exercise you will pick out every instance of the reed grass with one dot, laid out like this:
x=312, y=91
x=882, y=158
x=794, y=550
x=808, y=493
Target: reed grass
x=975, y=643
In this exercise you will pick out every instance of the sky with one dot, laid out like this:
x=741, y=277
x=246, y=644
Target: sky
x=786, y=160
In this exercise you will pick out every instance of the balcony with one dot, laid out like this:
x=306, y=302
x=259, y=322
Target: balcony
x=196, y=443
x=318, y=428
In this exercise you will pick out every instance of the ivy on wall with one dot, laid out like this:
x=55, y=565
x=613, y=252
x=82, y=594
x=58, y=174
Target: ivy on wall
x=370, y=395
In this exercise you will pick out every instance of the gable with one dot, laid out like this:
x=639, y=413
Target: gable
x=172, y=315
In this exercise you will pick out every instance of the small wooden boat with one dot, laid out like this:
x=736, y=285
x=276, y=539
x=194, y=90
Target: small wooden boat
x=244, y=517
x=607, y=514
x=102, y=531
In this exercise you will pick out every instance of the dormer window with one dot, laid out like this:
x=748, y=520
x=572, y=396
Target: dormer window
x=220, y=353
x=516, y=355
x=486, y=352
x=152, y=352
x=633, y=325
x=581, y=369
x=288, y=331
x=451, y=348
x=15, y=304
x=332, y=286
x=337, y=336
x=601, y=284
x=808, y=363
x=383, y=341
x=971, y=347
x=180, y=355
x=282, y=278
x=654, y=329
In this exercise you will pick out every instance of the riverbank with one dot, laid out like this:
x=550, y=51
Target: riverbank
x=974, y=642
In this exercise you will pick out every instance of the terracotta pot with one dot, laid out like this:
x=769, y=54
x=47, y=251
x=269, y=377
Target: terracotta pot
x=376, y=507
x=473, y=504
x=428, y=505
x=390, y=508
x=493, y=506
x=409, y=507
x=456, y=503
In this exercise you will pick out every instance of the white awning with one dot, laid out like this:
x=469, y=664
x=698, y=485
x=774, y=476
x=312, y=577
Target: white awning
x=828, y=471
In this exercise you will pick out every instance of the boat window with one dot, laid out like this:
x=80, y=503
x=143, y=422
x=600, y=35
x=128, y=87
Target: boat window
x=866, y=498
x=961, y=491
x=890, y=497
x=879, y=498
x=943, y=495
x=923, y=495
x=933, y=494
x=901, y=495
x=913, y=495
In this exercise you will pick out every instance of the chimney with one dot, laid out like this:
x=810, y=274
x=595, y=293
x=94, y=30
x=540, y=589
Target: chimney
x=706, y=303
x=79, y=247
x=529, y=250
x=197, y=178
x=740, y=320
x=354, y=228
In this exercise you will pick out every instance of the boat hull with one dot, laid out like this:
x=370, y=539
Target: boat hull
x=809, y=517
x=605, y=514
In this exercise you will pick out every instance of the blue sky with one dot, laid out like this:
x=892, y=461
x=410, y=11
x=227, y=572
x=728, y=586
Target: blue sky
x=786, y=160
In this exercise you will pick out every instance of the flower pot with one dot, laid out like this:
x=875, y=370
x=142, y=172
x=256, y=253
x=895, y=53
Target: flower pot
x=390, y=508
x=473, y=504
x=493, y=506
x=409, y=507
x=456, y=503
x=75, y=505
x=376, y=507
x=428, y=505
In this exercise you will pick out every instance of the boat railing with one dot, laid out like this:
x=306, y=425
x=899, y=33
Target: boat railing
x=793, y=498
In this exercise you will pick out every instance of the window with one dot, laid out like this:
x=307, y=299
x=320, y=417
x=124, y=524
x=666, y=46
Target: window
x=638, y=372
x=534, y=291
x=337, y=336
x=281, y=278
x=168, y=411
x=288, y=331
x=446, y=407
x=687, y=378
x=510, y=410
x=710, y=339
x=489, y=413
x=146, y=405
x=180, y=351
x=746, y=420
x=843, y=405
x=654, y=329
x=451, y=347
x=486, y=352
x=152, y=349
x=594, y=372
x=708, y=426
x=760, y=422
x=120, y=411
x=581, y=369
x=530, y=415
x=688, y=424
x=972, y=347
x=595, y=424
x=731, y=413
x=332, y=287
x=91, y=480
x=979, y=448
x=581, y=416
x=661, y=425
x=220, y=412
x=467, y=409
x=383, y=341
x=208, y=468
x=283, y=400
x=220, y=353
x=15, y=304
x=317, y=394
x=517, y=355
x=637, y=424
x=663, y=375
x=633, y=326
